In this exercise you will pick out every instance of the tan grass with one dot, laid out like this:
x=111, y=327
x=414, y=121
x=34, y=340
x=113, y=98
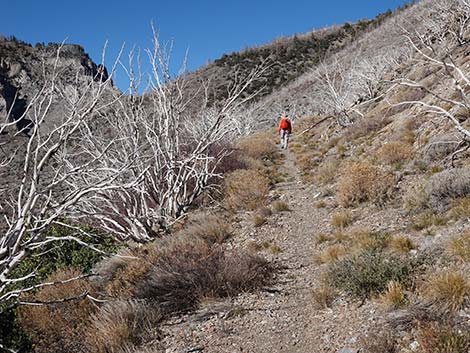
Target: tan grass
x=362, y=181
x=401, y=243
x=259, y=220
x=460, y=208
x=394, y=296
x=331, y=254
x=460, y=246
x=341, y=219
x=211, y=228
x=245, y=189
x=324, y=295
x=395, y=152
x=442, y=338
x=280, y=206
x=448, y=290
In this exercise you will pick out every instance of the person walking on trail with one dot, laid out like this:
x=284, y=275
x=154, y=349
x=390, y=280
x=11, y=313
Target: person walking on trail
x=284, y=129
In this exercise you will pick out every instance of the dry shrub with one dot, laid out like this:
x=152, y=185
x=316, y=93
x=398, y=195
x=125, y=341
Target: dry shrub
x=460, y=208
x=394, y=296
x=447, y=185
x=342, y=219
x=327, y=172
x=395, y=152
x=448, y=290
x=211, y=228
x=440, y=147
x=427, y=219
x=331, y=254
x=366, y=126
x=416, y=198
x=259, y=220
x=120, y=274
x=324, y=295
x=259, y=146
x=365, y=239
x=380, y=342
x=122, y=324
x=246, y=189
x=361, y=182
x=280, y=206
x=264, y=211
x=59, y=327
x=187, y=270
x=443, y=338
x=273, y=248
x=460, y=247
x=369, y=272
x=323, y=237
x=401, y=243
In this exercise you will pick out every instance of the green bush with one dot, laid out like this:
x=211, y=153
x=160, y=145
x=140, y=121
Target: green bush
x=369, y=272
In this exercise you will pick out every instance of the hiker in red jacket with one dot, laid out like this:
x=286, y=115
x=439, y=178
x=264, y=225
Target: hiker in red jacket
x=284, y=129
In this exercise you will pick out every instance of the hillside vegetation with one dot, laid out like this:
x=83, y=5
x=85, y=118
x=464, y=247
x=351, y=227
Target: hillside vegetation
x=182, y=227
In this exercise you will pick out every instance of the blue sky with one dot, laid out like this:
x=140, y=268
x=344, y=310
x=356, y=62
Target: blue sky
x=207, y=28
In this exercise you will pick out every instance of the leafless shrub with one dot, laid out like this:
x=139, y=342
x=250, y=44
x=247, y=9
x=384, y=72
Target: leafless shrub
x=245, y=189
x=365, y=127
x=447, y=185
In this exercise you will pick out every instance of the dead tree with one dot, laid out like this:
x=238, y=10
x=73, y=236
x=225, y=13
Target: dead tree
x=440, y=46
x=174, y=145
x=59, y=170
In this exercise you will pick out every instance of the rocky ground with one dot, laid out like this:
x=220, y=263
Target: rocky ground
x=283, y=317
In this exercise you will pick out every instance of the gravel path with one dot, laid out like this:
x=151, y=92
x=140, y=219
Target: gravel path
x=284, y=317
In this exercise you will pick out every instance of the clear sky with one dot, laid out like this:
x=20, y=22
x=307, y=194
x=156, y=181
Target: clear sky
x=207, y=28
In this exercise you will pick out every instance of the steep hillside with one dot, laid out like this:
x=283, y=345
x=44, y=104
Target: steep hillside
x=287, y=58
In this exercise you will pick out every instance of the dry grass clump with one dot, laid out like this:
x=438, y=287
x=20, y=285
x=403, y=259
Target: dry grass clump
x=121, y=325
x=401, y=243
x=365, y=239
x=443, y=338
x=211, y=228
x=327, y=172
x=460, y=247
x=280, y=206
x=259, y=220
x=447, y=185
x=323, y=238
x=380, y=342
x=331, y=254
x=264, y=211
x=395, y=152
x=245, y=189
x=321, y=204
x=416, y=198
x=272, y=247
x=394, y=296
x=187, y=270
x=427, y=219
x=366, y=126
x=448, y=290
x=361, y=182
x=341, y=220
x=460, y=208
x=324, y=295
x=259, y=146
x=59, y=327
x=120, y=273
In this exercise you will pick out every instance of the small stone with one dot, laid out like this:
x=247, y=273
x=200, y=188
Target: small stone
x=348, y=350
x=414, y=346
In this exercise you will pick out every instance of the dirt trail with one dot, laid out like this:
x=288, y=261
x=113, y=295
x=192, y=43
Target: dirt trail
x=283, y=318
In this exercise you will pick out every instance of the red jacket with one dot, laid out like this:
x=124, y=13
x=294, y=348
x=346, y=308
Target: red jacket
x=285, y=124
